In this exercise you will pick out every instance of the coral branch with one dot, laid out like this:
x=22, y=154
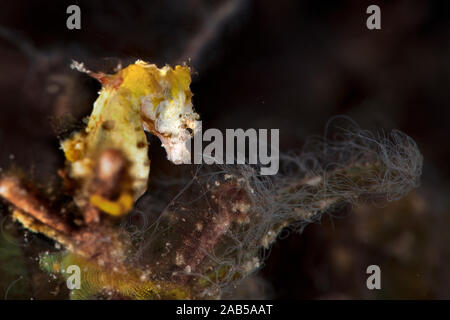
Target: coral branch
x=12, y=190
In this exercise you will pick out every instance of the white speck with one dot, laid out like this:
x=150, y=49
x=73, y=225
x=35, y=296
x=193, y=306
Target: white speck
x=199, y=226
x=179, y=259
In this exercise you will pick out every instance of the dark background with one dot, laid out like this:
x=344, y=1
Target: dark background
x=261, y=64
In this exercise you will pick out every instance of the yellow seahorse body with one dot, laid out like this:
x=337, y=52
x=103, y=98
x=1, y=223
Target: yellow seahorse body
x=137, y=98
